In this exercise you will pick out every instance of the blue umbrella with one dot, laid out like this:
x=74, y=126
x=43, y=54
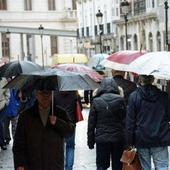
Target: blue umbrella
x=95, y=60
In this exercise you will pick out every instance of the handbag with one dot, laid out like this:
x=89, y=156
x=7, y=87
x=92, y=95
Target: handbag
x=78, y=113
x=130, y=160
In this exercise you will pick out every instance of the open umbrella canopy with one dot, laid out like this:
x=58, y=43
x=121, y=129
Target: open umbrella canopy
x=121, y=59
x=53, y=79
x=17, y=67
x=81, y=69
x=152, y=63
x=95, y=61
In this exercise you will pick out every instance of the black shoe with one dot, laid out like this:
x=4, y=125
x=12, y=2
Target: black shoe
x=7, y=142
x=3, y=147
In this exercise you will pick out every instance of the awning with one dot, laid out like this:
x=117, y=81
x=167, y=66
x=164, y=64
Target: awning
x=69, y=58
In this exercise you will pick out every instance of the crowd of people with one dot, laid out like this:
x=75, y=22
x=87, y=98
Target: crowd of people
x=122, y=115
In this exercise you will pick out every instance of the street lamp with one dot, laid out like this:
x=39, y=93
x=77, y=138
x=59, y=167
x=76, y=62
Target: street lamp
x=166, y=23
x=41, y=29
x=7, y=35
x=125, y=10
x=99, y=17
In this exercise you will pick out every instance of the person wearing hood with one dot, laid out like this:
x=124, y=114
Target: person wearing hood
x=147, y=124
x=106, y=125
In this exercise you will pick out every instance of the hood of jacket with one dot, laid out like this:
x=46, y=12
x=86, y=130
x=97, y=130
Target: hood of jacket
x=108, y=85
x=149, y=92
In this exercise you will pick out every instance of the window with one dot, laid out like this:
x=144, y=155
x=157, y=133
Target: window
x=108, y=28
x=87, y=31
x=74, y=4
x=28, y=5
x=135, y=42
x=5, y=46
x=51, y=5
x=150, y=42
x=95, y=29
x=54, y=47
x=82, y=32
x=158, y=41
x=139, y=7
x=3, y=5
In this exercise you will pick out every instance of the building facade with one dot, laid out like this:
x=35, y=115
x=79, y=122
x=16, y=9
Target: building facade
x=50, y=14
x=145, y=26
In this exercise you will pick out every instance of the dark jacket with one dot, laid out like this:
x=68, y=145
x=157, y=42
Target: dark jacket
x=37, y=147
x=107, y=113
x=148, y=117
x=127, y=86
x=68, y=101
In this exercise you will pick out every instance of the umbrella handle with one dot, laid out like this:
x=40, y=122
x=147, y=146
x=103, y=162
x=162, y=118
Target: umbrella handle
x=52, y=103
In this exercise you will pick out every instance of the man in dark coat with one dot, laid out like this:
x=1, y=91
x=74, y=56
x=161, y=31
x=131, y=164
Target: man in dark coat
x=127, y=85
x=147, y=124
x=39, y=137
x=106, y=125
x=68, y=101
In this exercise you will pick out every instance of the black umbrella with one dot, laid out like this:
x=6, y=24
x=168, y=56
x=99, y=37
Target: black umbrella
x=53, y=79
x=17, y=67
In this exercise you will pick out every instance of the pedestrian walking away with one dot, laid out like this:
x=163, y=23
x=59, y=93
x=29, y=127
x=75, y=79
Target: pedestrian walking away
x=4, y=101
x=39, y=138
x=106, y=125
x=68, y=100
x=147, y=124
x=127, y=85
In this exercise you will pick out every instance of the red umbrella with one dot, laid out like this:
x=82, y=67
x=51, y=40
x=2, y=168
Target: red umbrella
x=120, y=60
x=82, y=69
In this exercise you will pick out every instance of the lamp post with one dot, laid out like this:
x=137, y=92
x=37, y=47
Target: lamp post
x=125, y=10
x=99, y=17
x=7, y=34
x=166, y=23
x=41, y=28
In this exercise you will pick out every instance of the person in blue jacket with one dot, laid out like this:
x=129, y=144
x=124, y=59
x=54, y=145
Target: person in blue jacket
x=11, y=114
x=147, y=124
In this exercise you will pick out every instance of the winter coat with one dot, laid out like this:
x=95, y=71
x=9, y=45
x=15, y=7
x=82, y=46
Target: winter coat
x=4, y=94
x=107, y=114
x=127, y=86
x=68, y=101
x=37, y=147
x=148, y=117
x=13, y=106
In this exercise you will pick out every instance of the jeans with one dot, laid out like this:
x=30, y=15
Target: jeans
x=106, y=150
x=159, y=155
x=69, y=152
x=7, y=121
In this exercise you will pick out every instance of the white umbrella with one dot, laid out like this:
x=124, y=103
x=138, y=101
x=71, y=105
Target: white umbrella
x=152, y=63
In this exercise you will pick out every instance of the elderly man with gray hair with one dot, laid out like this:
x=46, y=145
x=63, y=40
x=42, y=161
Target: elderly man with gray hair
x=147, y=124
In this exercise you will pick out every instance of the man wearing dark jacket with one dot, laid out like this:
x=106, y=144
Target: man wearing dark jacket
x=147, y=124
x=39, y=137
x=127, y=85
x=68, y=101
x=106, y=125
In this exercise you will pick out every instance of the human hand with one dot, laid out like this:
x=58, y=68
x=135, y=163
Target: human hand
x=20, y=168
x=53, y=120
x=91, y=146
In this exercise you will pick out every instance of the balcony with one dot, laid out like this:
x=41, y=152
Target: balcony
x=39, y=16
